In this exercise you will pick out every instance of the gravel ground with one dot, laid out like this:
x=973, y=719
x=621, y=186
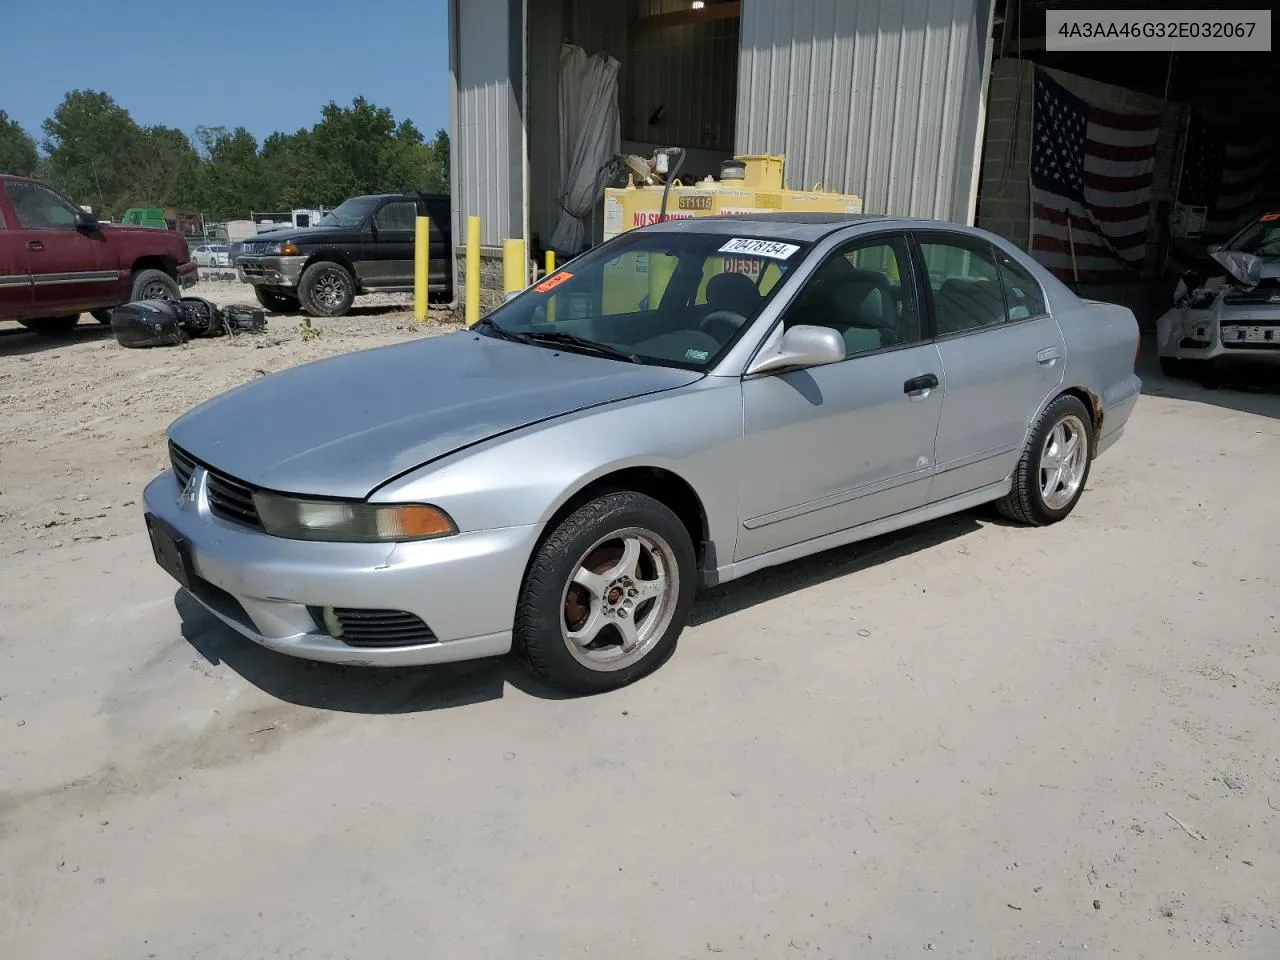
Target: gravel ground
x=969, y=740
x=82, y=419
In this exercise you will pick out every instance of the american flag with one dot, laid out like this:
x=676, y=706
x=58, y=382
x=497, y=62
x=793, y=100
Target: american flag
x=1091, y=168
x=1223, y=172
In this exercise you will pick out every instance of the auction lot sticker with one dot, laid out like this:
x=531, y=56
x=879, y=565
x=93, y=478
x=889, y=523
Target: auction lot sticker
x=760, y=248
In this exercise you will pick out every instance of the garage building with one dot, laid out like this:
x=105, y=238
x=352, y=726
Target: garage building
x=920, y=107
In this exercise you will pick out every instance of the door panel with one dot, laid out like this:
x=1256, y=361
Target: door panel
x=833, y=447
x=15, y=277
x=69, y=268
x=390, y=262
x=1002, y=356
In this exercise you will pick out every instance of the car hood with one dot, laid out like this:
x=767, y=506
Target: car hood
x=344, y=426
x=298, y=234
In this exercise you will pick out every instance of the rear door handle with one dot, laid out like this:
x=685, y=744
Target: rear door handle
x=920, y=386
x=34, y=245
x=1048, y=355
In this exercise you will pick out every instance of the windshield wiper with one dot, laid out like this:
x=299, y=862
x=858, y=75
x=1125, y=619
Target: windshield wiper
x=561, y=339
x=500, y=333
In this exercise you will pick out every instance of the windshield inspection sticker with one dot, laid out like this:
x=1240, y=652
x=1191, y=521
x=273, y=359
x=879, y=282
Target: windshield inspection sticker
x=761, y=248
x=553, y=281
x=698, y=355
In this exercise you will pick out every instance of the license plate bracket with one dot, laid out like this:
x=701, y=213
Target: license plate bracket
x=170, y=549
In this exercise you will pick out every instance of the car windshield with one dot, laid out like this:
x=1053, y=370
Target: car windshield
x=674, y=299
x=349, y=213
x=1260, y=238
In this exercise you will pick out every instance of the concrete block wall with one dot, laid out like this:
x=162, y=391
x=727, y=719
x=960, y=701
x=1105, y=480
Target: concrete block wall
x=1004, y=193
x=491, y=277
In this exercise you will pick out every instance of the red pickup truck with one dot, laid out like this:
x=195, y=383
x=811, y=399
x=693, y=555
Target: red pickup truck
x=57, y=261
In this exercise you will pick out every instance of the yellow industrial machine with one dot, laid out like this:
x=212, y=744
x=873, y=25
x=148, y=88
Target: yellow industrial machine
x=749, y=184
x=758, y=190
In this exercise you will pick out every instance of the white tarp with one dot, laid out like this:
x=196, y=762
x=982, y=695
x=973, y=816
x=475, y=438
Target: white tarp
x=590, y=137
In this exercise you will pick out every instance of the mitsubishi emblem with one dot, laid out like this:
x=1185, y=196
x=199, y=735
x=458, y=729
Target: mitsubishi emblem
x=187, y=498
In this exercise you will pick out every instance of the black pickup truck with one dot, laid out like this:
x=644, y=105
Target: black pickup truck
x=365, y=245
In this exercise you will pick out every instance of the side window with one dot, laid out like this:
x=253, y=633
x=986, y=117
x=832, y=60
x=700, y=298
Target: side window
x=396, y=216
x=1022, y=296
x=964, y=282
x=864, y=291
x=39, y=208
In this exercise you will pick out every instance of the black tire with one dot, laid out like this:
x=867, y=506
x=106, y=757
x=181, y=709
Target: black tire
x=154, y=285
x=1171, y=367
x=102, y=316
x=1207, y=373
x=326, y=289
x=276, y=300
x=51, y=326
x=590, y=538
x=1026, y=502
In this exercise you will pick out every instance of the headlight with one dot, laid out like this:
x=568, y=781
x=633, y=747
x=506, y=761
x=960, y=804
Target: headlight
x=288, y=249
x=338, y=520
x=270, y=249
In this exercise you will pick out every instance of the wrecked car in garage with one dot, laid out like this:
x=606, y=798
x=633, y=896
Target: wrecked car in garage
x=1232, y=313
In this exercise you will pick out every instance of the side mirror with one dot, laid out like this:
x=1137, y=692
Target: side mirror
x=801, y=346
x=86, y=220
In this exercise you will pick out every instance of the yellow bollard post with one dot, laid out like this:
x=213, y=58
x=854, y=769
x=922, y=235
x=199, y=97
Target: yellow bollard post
x=515, y=269
x=472, y=314
x=421, y=267
x=551, y=300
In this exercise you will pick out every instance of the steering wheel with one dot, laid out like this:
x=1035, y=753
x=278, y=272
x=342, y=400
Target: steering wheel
x=723, y=320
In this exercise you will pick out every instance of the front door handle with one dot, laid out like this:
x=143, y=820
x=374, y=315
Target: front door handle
x=34, y=245
x=1048, y=355
x=920, y=386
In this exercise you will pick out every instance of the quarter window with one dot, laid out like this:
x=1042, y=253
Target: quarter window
x=39, y=208
x=396, y=216
x=865, y=292
x=1022, y=296
x=964, y=283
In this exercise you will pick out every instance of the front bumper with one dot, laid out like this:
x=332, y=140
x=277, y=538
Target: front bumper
x=1224, y=331
x=463, y=587
x=270, y=271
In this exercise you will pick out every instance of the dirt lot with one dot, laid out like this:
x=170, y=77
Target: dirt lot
x=971, y=740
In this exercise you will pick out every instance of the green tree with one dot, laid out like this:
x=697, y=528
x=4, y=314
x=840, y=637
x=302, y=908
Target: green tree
x=18, y=152
x=94, y=148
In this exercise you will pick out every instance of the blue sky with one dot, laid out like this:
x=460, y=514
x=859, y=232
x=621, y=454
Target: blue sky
x=227, y=63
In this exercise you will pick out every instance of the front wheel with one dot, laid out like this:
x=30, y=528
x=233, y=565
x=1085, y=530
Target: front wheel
x=1054, y=468
x=154, y=285
x=326, y=289
x=607, y=594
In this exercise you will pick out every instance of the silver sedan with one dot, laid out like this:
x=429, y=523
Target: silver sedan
x=681, y=406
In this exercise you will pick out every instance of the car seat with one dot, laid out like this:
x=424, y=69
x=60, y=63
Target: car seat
x=965, y=303
x=735, y=292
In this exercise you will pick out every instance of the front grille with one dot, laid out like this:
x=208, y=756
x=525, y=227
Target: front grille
x=1253, y=298
x=232, y=500
x=381, y=628
x=229, y=499
x=183, y=465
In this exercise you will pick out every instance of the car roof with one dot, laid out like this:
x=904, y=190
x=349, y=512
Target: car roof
x=796, y=226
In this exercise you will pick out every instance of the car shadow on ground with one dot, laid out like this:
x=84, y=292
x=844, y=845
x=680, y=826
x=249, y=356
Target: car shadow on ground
x=1244, y=387
x=17, y=341
x=350, y=689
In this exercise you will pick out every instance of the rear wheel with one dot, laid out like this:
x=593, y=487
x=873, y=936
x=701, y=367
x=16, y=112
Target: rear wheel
x=276, y=300
x=51, y=326
x=1054, y=468
x=607, y=594
x=154, y=285
x=326, y=289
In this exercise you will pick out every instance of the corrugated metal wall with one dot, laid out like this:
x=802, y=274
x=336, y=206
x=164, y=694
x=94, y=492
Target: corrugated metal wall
x=487, y=162
x=882, y=98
